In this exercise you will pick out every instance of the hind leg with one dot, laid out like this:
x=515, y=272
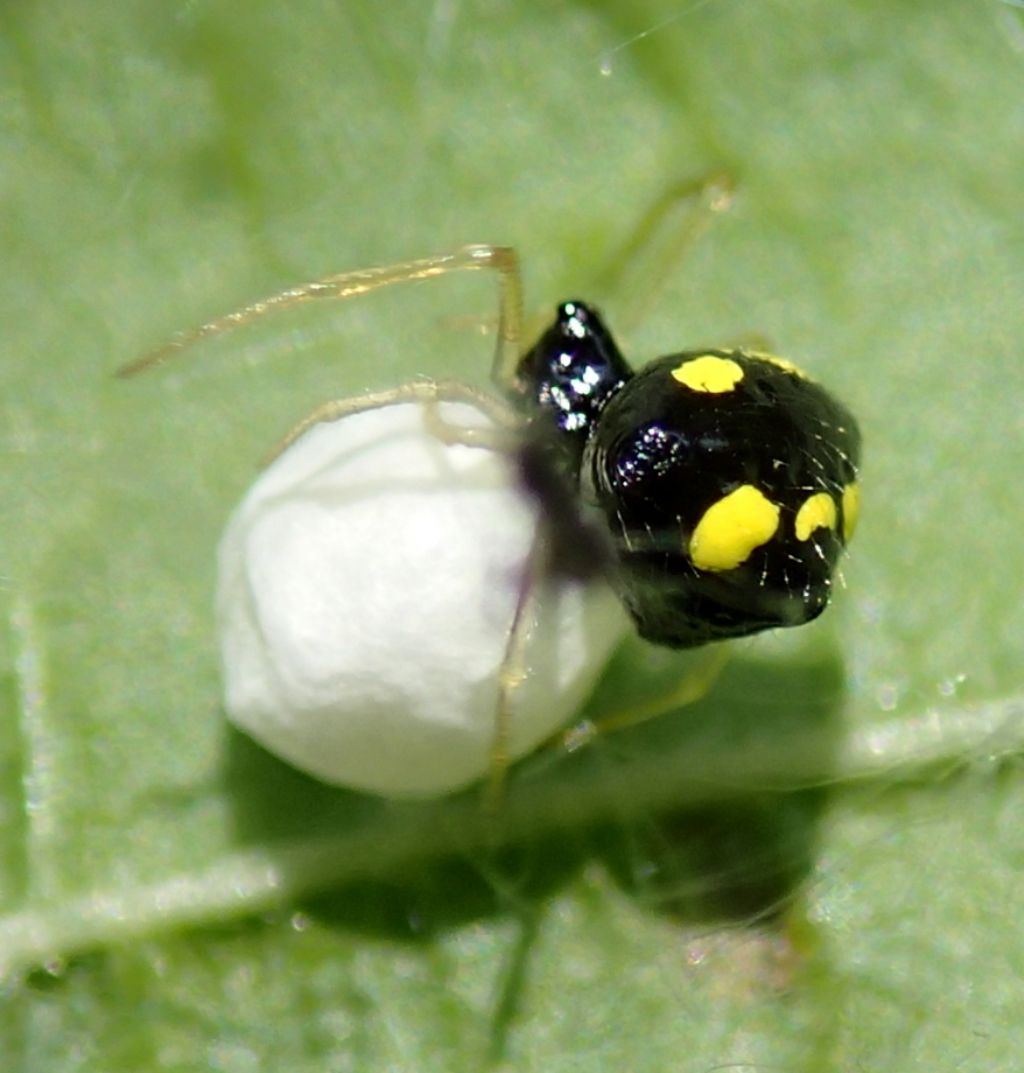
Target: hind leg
x=694, y=685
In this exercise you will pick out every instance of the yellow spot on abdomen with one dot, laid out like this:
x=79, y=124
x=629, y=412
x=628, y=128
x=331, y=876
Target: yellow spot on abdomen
x=732, y=528
x=780, y=363
x=709, y=373
x=817, y=512
x=851, y=509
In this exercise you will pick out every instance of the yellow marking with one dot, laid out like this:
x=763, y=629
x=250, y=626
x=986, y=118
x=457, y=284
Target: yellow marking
x=817, y=512
x=732, y=528
x=780, y=363
x=709, y=373
x=851, y=509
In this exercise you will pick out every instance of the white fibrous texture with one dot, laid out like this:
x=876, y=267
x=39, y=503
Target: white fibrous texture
x=366, y=590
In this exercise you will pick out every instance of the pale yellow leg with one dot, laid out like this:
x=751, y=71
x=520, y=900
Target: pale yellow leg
x=661, y=241
x=500, y=259
x=513, y=673
x=693, y=686
x=431, y=393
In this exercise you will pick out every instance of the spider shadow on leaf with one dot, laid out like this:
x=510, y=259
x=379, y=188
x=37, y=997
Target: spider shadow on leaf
x=743, y=773
x=735, y=851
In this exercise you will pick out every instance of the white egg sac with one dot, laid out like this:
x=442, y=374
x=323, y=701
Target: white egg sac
x=366, y=589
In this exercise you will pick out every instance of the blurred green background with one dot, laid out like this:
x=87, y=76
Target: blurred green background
x=817, y=867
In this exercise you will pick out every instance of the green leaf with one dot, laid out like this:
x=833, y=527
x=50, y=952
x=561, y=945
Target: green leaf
x=814, y=868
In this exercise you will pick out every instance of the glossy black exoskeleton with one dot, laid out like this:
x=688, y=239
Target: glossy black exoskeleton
x=722, y=482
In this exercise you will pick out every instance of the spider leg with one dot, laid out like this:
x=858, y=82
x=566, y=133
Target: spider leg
x=692, y=686
x=431, y=393
x=513, y=671
x=499, y=259
x=664, y=237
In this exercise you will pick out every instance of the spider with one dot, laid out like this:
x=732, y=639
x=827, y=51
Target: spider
x=713, y=489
